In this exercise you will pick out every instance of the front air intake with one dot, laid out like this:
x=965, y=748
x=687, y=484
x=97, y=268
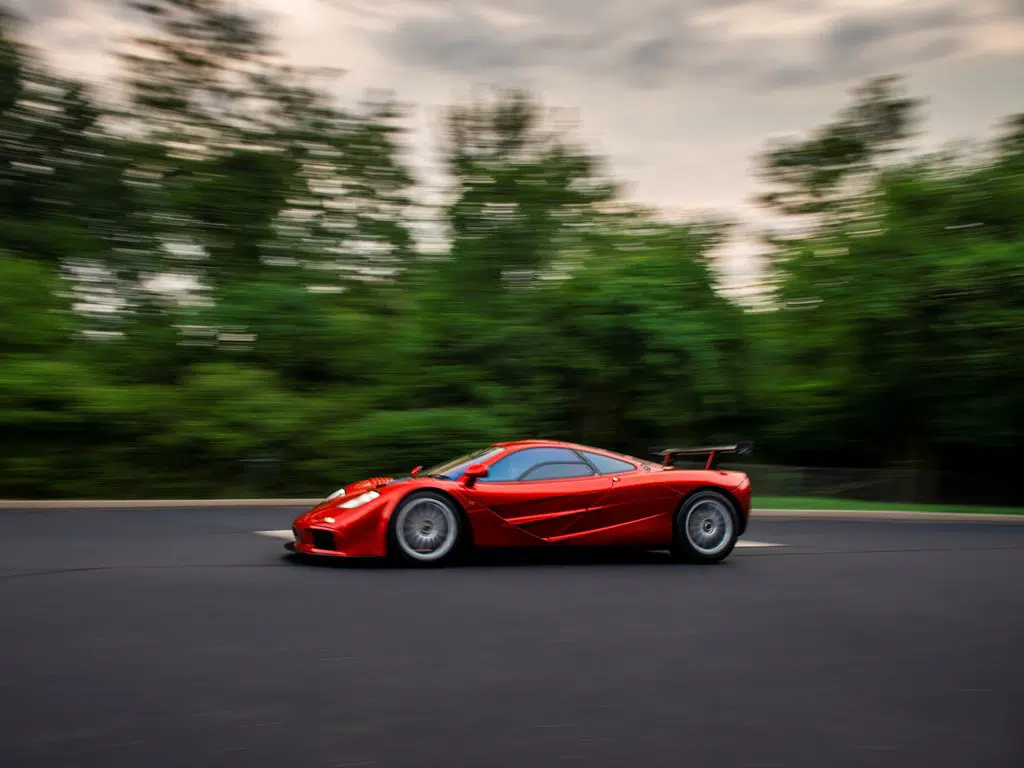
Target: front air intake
x=323, y=539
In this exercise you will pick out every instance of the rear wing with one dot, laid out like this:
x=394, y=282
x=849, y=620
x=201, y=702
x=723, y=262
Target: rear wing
x=712, y=452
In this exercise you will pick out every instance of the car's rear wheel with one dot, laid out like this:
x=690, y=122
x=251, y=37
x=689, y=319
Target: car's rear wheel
x=426, y=529
x=705, y=528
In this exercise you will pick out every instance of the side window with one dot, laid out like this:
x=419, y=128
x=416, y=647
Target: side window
x=558, y=471
x=606, y=465
x=515, y=465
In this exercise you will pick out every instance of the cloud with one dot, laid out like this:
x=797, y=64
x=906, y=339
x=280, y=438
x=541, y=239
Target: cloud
x=679, y=95
x=526, y=38
x=857, y=45
x=648, y=43
x=641, y=44
x=43, y=11
x=482, y=42
x=38, y=10
x=1014, y=9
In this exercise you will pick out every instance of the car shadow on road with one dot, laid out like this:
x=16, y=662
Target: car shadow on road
x=505, y=558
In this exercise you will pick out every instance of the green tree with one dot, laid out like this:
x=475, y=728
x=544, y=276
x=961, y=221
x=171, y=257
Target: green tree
x=260, y=165
x=63, y=195
x=518, y=185
x=825, y=172
x=640, y=333
x=901, y=300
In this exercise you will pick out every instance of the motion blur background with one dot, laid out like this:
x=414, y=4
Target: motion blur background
x=223, y=279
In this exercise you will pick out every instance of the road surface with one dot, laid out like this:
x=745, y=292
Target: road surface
x=183, y=638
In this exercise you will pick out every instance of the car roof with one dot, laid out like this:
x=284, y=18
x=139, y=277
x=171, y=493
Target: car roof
x=539, y=443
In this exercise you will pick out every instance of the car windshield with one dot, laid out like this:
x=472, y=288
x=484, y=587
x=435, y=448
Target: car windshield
x=452, y=470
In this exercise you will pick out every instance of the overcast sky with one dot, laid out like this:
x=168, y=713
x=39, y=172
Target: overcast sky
x=680, y=95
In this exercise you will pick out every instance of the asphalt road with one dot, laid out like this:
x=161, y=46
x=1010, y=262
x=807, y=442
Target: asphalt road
x=181, y=638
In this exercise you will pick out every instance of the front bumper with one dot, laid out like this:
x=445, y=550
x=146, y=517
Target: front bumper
x=305, y=549
x=325, y=542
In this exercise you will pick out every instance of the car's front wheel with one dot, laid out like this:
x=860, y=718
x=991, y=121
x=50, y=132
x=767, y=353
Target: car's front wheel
x=426, y=529
x=705, y=528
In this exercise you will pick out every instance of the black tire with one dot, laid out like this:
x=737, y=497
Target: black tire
x=440, y=513
x=714, y=516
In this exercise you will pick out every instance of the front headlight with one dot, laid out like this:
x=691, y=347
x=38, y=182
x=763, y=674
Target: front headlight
x=361, y=499
x=336, y=494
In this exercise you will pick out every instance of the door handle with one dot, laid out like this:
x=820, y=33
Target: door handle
x=615, y=479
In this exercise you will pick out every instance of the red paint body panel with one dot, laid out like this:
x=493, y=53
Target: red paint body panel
x=634, y=508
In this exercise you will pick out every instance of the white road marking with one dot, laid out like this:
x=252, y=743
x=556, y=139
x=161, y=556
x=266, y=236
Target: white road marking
x=286, y=535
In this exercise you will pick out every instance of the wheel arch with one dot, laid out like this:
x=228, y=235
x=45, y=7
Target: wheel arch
x=467, y=525
x=741, y=521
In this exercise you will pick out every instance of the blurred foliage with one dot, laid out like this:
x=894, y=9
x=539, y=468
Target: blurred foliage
x=213, y=288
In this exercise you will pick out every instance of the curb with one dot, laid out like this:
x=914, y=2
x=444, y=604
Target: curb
x=68, y=505
x=767, y=514
x=877, y=514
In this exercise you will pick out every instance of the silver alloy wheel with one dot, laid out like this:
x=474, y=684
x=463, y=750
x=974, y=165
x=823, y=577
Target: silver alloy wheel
x=709, y=526
x=426, y=529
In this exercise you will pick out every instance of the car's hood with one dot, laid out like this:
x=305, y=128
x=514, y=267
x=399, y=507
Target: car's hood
x=351, y=490
x=369, y=484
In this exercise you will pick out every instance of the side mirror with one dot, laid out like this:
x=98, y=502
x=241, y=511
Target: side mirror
x=473, y=473
x=416, y=471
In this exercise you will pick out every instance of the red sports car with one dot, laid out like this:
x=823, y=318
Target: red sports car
x=535, y=493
